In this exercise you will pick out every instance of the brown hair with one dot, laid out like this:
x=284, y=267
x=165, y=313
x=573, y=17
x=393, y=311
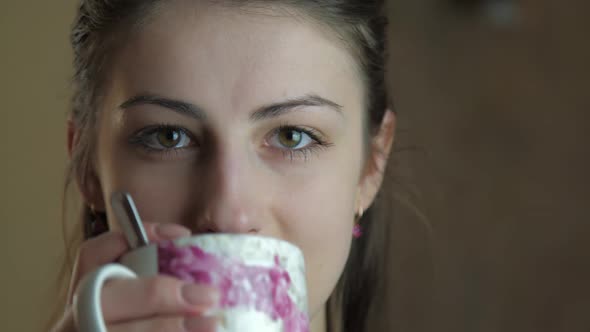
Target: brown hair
x=360, y=24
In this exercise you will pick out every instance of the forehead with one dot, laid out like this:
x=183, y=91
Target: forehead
x=227, y=58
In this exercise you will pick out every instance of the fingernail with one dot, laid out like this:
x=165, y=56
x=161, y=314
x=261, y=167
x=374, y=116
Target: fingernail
x=199, y=323
x=199, y=295
x=171, y=231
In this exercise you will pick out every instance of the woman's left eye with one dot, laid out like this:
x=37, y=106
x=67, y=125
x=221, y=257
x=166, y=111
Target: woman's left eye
x=296, y=141
x=291, y=138
x=162, y=138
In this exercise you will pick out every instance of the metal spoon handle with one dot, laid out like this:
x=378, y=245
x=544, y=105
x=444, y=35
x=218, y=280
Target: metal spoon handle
x=129, y=220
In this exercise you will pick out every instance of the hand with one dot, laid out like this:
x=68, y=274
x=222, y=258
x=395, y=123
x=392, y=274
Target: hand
x=159, y=303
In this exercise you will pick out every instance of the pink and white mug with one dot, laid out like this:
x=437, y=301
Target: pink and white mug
x=261, y=280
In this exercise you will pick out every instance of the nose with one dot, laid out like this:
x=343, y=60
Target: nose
x=234, y=202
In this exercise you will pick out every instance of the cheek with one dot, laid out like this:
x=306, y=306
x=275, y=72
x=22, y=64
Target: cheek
x=319, y=220
x=162, y=191
x=161, y=194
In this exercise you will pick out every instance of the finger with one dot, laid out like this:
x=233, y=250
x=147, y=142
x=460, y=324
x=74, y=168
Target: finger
x=168, y=324
x=165, y=231
x=109, y=246
x=95, y=252
x=131, y=299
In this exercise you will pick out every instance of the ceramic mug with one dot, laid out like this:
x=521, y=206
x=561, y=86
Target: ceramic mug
x=261, y=280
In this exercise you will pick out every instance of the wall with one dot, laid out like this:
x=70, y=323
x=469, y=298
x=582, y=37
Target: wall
x=34, y=75
x=497, y=114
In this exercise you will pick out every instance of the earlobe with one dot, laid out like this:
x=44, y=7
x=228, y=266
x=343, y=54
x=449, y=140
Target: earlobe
x=91, y=190
x=374, y=170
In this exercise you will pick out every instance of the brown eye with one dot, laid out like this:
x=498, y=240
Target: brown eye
x=169, y=137
x=290, y=138
x=296, y=141
x=163, y=138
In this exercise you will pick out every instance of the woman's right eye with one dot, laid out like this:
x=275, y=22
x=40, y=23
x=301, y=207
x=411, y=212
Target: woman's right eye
x=162, y=138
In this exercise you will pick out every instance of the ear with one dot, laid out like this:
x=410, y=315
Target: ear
x=374, y=169
x=86, y=179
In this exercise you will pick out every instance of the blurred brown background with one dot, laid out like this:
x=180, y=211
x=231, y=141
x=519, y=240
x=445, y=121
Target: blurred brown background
x=492, y=99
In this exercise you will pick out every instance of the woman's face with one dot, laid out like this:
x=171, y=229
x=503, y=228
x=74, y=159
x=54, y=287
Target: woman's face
x=235, y=122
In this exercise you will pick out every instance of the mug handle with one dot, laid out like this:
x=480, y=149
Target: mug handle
x=86, y=304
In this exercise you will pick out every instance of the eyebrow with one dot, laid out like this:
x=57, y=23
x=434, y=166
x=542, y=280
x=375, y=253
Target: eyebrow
x=175, y=105
x=265, y=112
x=280, y=108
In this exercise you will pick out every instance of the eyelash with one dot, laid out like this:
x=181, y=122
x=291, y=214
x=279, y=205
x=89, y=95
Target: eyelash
x=318, y=142
x=140, y=139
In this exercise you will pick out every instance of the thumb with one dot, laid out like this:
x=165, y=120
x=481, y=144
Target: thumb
x=159, y=231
